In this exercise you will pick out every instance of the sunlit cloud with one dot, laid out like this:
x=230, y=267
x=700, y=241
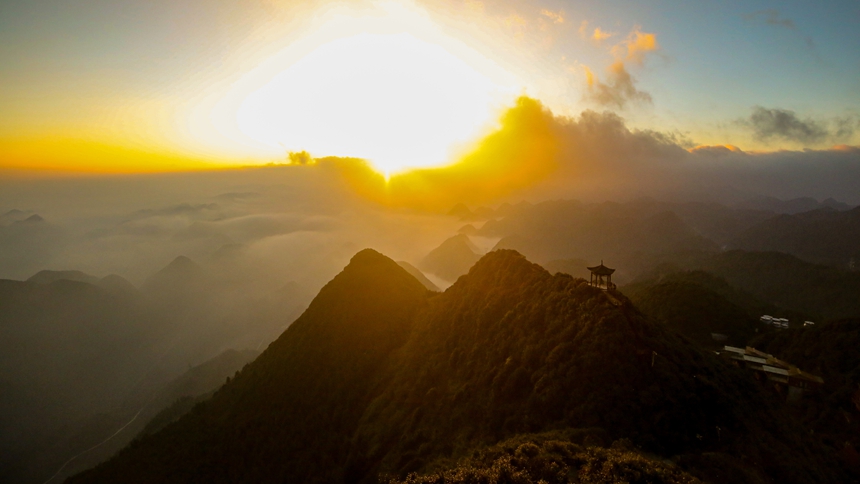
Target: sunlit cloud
x=519, y=153
x=636, y=46
x=556, y=17
x=618, y=90
x=600, y=35
x=390, y=88
x=516, y=24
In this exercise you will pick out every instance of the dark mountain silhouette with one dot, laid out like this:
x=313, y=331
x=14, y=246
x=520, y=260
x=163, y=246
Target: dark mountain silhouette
x=467, y=229
x=380, y=376
x=796, y=205
x=194, y=386
x=823, y=236
x=182, y=273
x=699, y=306
x=32, y=219
x=452, y=258
x=79, y=360
x=69, y=351
x=829, y=350
x=168, y=402
x=417, y=274
x=463, y=212
x=636, y=235
x=312, y=381
x=573, y=267
x=47, y=277
x=116, y=284
x=13, y=216
x=818, y=292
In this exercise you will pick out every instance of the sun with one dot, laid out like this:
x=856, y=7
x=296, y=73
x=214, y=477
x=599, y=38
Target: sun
x=394, y=98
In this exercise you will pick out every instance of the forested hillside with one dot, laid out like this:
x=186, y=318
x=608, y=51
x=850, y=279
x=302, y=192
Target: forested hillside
x=380, y=377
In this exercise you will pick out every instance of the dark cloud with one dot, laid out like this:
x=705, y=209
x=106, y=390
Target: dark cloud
x=783, y=124
x=771, y=17
x=618, y=90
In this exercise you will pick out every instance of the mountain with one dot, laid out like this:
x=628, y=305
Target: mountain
x=47, y=277
x=312, y=381
x=632, y=236
x=819, y=292
x=117, y=285
x=167, y=403
x=452, y=258
x=380, y=377
x=574, y=267
x=823, y=236
x=796, y=205
x=829, y=350
x=690, y=304
x=69, y=352
x=417, y=274
x=182, y=274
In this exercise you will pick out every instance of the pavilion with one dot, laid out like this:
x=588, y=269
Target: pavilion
x=601, y=276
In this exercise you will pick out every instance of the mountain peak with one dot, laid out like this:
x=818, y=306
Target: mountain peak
x=47, y=277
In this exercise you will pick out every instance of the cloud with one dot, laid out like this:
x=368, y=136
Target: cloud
x=618, y=90
x=556, y=17
x=716, y=150
x=583, y=29
x=516, y=24
x=768, y=124
x=771, y=17
x=600, y=35
x=636, y=46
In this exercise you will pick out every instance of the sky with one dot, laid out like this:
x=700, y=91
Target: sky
x=131, y=86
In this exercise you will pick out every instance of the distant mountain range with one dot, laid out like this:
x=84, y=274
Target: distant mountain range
x=380, y=377
x=81, y=355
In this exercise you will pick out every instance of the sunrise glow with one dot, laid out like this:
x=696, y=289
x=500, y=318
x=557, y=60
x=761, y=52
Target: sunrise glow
x=393, y=91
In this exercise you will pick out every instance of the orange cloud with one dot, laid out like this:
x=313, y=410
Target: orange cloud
x=520, y=153
x=600, y=35
x=618, y=90
x=517, y=24
x=635, y=46
x=556, y=17
x=715, y=150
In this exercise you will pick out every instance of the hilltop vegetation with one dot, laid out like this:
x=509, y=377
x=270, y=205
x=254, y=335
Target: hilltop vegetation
x=697, y=305
x=828, y=350
x=380, y=377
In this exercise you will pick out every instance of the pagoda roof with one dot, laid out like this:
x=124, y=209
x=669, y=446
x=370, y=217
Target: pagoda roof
x=601, y=270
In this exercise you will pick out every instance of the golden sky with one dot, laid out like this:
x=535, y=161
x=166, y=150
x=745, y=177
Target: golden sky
x=160, y=86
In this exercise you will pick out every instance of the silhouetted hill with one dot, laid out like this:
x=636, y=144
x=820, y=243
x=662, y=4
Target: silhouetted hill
x=573, y=267
x=312, y=382
x=69, y=350
x=417, y=274
x=633, y=235
x=380, y=376
x=819, y=292
x=182, y=272
x=452, y=258
x=47, y=277
x=828, y=350
x=195, y=385
x=168, y=403
x=117, y=285
x=824, y=236
x=796, y=205
x=688, y=304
